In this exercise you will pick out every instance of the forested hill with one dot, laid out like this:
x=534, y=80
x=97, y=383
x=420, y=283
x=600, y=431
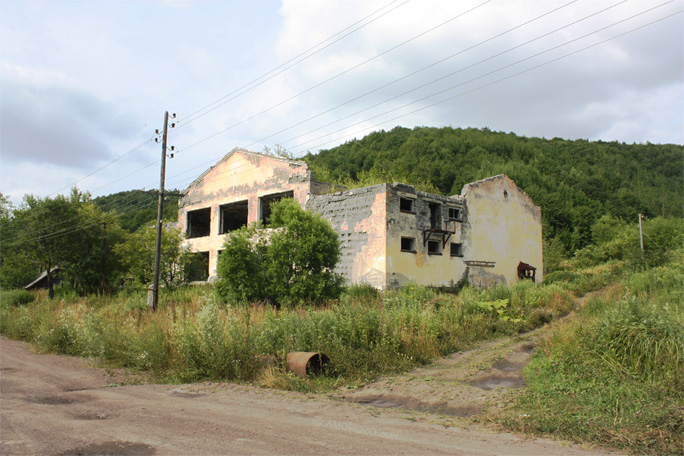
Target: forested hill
x=574, y=182
x=137, y=207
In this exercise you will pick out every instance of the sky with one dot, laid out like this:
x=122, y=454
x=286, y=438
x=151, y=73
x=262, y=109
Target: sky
x=85, y=84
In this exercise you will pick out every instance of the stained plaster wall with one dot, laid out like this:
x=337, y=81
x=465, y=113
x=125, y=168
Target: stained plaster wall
x=359, y=217
x=504, y=227
x=241, y=175
x=420, y=266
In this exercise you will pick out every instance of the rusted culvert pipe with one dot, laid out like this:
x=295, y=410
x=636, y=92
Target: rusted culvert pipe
x=307, y=363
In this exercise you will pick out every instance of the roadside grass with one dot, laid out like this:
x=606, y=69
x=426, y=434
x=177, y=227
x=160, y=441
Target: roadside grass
x=365, y=333
x=9, y=298
x=614, y=375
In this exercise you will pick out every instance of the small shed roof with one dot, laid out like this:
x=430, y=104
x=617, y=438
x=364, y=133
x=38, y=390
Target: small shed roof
x=525, y=267
x=37, y=281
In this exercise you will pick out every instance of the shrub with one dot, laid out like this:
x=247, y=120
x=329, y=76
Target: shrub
x=293, y=261
x=9, y=298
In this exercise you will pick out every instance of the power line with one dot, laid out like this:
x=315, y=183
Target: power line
x=283, y=67
x=432, y=65
x=340, y=74
x=466, y=82
x=483, y=75
x=502, y=79
x=13, y=243
x=194, y=116
x=120, y=157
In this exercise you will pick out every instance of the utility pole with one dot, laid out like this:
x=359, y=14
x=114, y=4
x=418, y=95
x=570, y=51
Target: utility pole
x=160, y=215
x=641, y=236
x=104, y=256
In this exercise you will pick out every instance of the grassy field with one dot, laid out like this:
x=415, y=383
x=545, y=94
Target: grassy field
x=611, y=374
x=193, y=337
x=614, y=373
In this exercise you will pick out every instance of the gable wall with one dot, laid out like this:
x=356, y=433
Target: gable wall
x=242, y=176
x=505, y=227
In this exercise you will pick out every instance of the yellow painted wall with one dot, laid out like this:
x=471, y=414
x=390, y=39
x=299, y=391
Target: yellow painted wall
x=505, y=227
x=240, y=176
x=421, y=267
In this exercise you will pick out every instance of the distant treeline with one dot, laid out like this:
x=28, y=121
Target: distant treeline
x=136, y=208
x=574, y=182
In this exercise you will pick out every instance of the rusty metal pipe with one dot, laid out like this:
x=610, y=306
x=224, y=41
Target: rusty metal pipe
x=307, y=363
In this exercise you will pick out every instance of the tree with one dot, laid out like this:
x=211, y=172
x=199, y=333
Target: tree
x=15, y=271
x=95, y=266
x=47, y=233
x=64, y=232
x=138, y=252
x=293, y=260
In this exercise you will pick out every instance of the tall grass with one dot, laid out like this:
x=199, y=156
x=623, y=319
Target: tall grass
x=193, y=337
x=615, y=375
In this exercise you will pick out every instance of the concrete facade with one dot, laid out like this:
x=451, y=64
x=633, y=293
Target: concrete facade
x=390, y=234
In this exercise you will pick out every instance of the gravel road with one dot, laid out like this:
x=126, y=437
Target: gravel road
x=51, y=404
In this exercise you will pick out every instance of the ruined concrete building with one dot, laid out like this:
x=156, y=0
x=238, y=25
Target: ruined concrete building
x=390, y=234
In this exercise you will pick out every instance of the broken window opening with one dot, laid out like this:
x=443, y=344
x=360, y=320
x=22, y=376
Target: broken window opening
x=435, y=216
x=265, y=203
x=434, y=248
x=456, y=249
x=197, y=267
x=406, y=205
x=199, y=223
x=455, y=214
x=408, y=244
x=233, y=216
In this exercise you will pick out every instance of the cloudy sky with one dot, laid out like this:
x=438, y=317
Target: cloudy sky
x=84, y=84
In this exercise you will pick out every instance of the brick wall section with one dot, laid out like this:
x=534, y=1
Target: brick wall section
x=359, y=217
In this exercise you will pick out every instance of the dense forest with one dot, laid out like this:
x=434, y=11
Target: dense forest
x=575, y=182
x=136, y=208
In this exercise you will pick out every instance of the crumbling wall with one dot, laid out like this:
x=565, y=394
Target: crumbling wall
x=505, y=228
x=240, y=176
x=429, y=221
x=358, y=216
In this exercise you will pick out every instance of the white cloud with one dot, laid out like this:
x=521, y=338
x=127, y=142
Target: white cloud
x=85, y=82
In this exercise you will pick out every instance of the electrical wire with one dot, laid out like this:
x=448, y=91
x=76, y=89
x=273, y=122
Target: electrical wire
x=471, y=90
x=432, y=65
x=469, y=81
x=283, y=67
x=432, y=29
x=499, y=80
x=196, y=115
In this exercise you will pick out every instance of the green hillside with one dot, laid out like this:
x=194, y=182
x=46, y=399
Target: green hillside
x=137, y=207
x=575, y=182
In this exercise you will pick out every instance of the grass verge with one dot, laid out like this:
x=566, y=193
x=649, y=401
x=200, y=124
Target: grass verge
x=614, y=375
x=366, y=334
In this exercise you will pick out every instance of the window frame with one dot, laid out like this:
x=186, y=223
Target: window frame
x=459, y=254
x=412, y=202
x=432, y=252
x=413, y=244
x=459, y=212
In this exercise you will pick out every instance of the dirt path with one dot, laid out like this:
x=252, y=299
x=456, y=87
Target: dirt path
x=469, y=384
x=52, y=404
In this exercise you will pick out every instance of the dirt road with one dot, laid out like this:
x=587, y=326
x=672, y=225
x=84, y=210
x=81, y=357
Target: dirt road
x=59, y=405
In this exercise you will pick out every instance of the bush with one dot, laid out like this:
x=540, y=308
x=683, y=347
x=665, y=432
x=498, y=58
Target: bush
x=10, y=298
x=363, y=292
x=291, y=262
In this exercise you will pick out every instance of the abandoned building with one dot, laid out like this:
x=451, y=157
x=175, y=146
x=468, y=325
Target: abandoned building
x=390, y=234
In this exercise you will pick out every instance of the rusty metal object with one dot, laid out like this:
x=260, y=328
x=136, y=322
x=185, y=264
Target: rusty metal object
x=307, y=363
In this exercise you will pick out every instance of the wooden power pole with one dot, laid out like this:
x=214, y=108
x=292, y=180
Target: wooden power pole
x=152, y=303
x=641, y=236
